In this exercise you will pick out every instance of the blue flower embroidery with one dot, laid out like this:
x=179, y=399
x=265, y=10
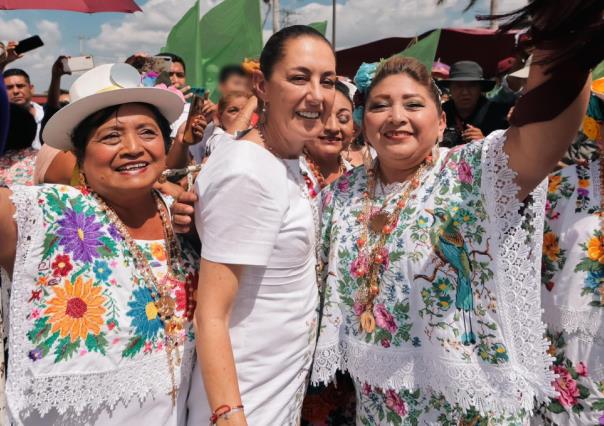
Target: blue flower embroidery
x=143, y=312
x=101, y=270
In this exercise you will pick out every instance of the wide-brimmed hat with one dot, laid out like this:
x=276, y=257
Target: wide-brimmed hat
x=467, y=71
x=101, y=87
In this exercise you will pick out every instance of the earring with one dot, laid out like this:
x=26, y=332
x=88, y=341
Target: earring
x=82, y=180
x=436, y=151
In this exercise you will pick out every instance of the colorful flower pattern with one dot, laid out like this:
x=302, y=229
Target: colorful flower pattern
x=17, y=167
x=573, y=287
x=418, y=307
x=74, y=307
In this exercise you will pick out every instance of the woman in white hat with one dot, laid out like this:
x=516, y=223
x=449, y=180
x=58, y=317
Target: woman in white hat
x=101, y=293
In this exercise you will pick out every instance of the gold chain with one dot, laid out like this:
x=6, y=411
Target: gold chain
x=160, y=292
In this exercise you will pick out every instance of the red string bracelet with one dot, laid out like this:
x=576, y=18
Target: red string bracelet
x=223, y=411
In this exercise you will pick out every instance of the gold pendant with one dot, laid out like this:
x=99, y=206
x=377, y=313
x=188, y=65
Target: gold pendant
x=377, y=222
x=367, y=322
x=165, y=307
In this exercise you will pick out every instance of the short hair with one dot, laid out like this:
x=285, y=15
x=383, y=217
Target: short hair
x=228, y=71
x=274, y=49
x=17, y=72
x=175, y=58
x=81, y=134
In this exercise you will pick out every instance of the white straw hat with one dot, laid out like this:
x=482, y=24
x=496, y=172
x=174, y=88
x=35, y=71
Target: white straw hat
x=102, y=87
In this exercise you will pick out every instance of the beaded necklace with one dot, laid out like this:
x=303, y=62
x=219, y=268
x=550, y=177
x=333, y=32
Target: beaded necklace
x=379, y=225
x=160, y=291
x=316, y=171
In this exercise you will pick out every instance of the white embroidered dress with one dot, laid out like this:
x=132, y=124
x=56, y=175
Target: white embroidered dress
x=573, y=296
x=85, y=343
x=458, y=333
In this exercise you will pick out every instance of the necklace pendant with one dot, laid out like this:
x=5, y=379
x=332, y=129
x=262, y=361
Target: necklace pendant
x=367, y=321
x=173, y=394
x=165, y=307
x=377, y=222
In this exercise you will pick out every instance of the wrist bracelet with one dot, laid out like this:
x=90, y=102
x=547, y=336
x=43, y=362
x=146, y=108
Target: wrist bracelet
x=224, y=411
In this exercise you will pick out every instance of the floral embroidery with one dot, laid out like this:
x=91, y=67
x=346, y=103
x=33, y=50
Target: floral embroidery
x=143, y=312
x=575, y=387
x=76, y=309
x=593, y=265
x=79, y=235
x=17, y=167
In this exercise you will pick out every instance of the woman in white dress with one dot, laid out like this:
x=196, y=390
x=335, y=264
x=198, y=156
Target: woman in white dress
x=257, y=326
x=99, y=316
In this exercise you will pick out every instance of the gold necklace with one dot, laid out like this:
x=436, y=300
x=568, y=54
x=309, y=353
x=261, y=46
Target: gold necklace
x=160, y=292
x=381, y=224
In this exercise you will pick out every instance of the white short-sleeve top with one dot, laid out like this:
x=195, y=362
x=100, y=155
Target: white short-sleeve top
x=252, y=212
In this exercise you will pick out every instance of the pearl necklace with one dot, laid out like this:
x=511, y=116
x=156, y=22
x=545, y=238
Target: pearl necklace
x=160, y=292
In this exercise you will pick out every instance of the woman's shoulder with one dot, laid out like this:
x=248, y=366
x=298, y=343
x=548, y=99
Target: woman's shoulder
x=244, y=161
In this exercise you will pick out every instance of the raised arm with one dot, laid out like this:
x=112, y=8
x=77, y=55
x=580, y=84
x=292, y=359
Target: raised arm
x=8, y=231
x=534, y=149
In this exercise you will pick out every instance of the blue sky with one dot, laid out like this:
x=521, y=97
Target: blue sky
x=111, y=37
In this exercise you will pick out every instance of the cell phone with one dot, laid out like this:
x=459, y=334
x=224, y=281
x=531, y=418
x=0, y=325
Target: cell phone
x=195, y=109
x=28, y=44
x=78, y=63
x=157, y=64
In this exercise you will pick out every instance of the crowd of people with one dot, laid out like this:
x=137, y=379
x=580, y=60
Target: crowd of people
x=406, y=246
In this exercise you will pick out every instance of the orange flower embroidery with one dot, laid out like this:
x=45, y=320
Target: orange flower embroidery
x=550, y=246
x=76, y=309
x=583, y=183
x=554, y=183
x=158, y=252
x=595, y=249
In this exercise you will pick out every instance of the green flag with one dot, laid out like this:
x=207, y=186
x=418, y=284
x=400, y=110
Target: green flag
x=598, y=71
x=227, y=34
x=182, y=41
x=319, y=26
x=425, y=49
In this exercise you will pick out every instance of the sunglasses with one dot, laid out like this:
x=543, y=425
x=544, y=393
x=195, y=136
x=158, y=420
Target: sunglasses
x=177, y=74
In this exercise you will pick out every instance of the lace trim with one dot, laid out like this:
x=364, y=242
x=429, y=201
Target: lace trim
x=72, y=394
x=494, y=390
x=518, y=277
x=587, y=323
x=490, y=389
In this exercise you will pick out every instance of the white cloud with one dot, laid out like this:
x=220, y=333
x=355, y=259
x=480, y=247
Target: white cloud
x=358, y=21
x=12, y=29
x=145, y=31
x=38, y=62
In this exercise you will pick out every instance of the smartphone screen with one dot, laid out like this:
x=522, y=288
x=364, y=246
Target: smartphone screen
x=28, y=44
x=195, y=109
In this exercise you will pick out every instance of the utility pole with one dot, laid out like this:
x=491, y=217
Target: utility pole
x=493, y=12
x=333, y=24
x=276, y=16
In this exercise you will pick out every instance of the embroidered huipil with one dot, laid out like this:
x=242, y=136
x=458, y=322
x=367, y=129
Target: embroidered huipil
x=572, y=295
x=86, y=343
x=458, y=333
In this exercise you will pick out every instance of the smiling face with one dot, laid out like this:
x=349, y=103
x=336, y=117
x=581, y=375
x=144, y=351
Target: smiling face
x=125, y=153
x=300, y=92
x=337, y=133
x=402, y=122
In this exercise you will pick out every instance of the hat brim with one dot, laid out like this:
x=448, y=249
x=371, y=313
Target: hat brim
x=485, y=85
x=58, y=130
